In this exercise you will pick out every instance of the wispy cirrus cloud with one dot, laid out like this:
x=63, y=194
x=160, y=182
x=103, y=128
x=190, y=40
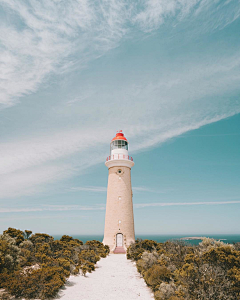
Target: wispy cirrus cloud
x=96, y=189
x=64, y=36
x=31, y=181
x=44, y=37
x=143, y=205
x=46, y=208
x=150, y=190
x=155, y=13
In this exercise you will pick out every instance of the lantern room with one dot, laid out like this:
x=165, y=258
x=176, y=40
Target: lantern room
x=119, y=144
x=119, y=151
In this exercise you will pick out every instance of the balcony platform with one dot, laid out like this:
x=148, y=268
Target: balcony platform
x=119, y=160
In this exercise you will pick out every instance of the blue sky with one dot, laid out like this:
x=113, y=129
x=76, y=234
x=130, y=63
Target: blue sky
x=167, y=73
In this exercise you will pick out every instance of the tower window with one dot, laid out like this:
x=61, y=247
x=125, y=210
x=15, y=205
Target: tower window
x=119, y=198
x=119, y=171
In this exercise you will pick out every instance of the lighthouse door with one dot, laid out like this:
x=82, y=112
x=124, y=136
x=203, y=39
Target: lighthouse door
x=119, y=240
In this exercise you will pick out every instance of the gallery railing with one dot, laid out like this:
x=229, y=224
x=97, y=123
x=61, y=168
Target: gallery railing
x=119, y=156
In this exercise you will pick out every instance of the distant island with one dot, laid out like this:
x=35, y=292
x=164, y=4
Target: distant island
x=192, y=238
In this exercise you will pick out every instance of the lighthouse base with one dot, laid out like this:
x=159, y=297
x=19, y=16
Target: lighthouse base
x=119, y=250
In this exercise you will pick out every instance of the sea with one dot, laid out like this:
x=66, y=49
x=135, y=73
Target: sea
x=226, y=238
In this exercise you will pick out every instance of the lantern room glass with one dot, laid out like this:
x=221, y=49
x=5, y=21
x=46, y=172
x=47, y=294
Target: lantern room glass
x=118, y=144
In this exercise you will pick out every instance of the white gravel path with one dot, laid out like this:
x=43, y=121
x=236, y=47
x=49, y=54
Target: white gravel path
x=115, y=277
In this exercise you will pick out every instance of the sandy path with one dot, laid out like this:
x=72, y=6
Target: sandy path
x=114, y=278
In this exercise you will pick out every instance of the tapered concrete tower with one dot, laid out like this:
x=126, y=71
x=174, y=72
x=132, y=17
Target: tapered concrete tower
x=119, y=222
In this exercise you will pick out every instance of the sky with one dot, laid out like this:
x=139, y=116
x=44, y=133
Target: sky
x=166, y=72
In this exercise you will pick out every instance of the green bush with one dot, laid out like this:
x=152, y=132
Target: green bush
x=136, y=250
x=42, y=283
x=9, y=254
x=156, y=275
x=17, y=234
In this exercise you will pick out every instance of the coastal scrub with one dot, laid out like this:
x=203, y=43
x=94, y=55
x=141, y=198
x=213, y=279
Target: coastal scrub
x=37, y=266
x=175, y=270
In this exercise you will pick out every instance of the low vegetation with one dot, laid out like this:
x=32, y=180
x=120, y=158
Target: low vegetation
x=176, y=270
x=37, y=266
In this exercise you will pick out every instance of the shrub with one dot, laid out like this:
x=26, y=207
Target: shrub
x=88, y=255
x=17, y=234
x=42, y=283
x=136, y=249
x=84, y=270
x=165, y=291
x=9, y=254
x=208, y=244
x=39, y=238
x=147, y=261
x=100, y=249
x=134, y=252
x=156, y=275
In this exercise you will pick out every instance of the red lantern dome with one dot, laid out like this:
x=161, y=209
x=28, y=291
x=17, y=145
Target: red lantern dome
x=119, y=136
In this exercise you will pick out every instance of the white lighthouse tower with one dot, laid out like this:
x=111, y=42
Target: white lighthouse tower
x=119, y=222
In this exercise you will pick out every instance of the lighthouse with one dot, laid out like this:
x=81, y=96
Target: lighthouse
x=119, y=221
